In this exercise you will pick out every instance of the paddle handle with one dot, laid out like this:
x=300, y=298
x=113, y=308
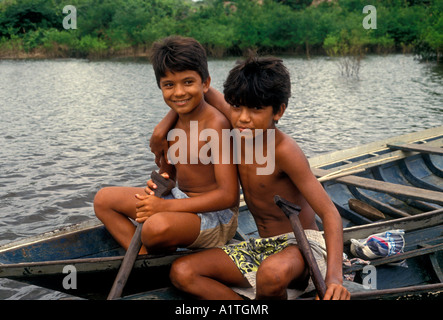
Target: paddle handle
x=164, y=186
x=127, y=264
x=292, y=211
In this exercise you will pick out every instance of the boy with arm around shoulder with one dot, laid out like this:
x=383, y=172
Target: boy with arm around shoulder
x=257, y=92
x=197, y=215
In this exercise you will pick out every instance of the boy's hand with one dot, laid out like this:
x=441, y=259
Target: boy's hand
x=151, y=186
x=336, y=291
x=158, y=142
x=147, y=206
x=159, y=147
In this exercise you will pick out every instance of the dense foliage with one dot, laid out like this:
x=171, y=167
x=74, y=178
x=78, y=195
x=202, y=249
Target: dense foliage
x=125, y=27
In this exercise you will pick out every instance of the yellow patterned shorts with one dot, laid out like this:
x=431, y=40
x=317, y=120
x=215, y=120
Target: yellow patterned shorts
x=249, y=254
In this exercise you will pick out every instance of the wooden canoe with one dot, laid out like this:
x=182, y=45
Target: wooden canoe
x=401, y=177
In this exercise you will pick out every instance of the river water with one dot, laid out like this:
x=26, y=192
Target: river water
x=71, y=127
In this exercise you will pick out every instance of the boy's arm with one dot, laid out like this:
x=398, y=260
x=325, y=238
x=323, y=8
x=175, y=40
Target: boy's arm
x=158, y=142
x=293, y=162
x=225, y=195
x=217, y=99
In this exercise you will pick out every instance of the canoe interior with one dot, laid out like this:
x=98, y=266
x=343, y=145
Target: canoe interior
x=417, y=270
x=423, y=171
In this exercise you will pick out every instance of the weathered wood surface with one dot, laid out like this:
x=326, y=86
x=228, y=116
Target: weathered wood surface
x=387, y=187
x=416, y=222
x=422, y=148
x=373, y=147
x=292, y=211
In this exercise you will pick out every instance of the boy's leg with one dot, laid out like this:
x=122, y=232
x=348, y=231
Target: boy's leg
x=278, y=271
x=165, y=231
x=113, y=206
x=207, y=275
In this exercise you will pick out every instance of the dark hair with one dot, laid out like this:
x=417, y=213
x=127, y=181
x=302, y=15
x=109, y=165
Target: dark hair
x=177, y=54
x=258, y=82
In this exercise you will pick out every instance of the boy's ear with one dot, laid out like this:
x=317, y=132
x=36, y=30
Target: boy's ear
x=280, y=112
x=206, y=84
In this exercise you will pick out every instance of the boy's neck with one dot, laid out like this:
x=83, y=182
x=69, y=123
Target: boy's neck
x=195, y=114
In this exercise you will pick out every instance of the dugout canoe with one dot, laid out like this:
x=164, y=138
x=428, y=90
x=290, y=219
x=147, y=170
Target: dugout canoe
x=400, y=177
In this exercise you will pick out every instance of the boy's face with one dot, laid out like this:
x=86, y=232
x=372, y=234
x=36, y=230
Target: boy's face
x=183, y=91
x=243, y=118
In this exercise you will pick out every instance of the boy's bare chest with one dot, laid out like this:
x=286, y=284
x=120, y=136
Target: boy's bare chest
x=188, y=147
x=254, y=183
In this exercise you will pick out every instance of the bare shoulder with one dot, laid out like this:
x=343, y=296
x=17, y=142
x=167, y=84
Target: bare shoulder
x=287, y=152
x=285, y=145
x=215, y=119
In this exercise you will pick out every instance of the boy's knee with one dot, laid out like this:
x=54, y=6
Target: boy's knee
x=273, y=279
x=271, y=275
x=155, y=233
x=100, y=201
x=181, y=273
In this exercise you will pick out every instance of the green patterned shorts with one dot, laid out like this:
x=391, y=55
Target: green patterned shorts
x=248, y=255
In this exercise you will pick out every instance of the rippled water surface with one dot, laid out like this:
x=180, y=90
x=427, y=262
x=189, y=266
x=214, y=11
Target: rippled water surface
x=70, y=127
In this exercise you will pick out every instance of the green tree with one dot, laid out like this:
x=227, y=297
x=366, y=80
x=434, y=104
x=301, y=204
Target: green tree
x=106, y=27
x=429, y=44
x=20, y=17
x=296, y=4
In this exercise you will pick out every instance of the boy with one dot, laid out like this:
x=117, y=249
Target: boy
x=257, y=91
x=194, y=216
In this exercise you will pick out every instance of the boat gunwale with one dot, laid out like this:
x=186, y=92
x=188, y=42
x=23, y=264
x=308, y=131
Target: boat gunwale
x=415, y=222
x=50, y=267
x=56, y=233
x=377, y=146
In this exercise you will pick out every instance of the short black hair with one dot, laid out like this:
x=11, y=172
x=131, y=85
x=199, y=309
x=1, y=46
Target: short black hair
x=258, y=82
x=177, y=54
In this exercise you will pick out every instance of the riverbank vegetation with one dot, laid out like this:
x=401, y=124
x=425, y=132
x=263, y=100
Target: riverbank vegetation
x=114, y=28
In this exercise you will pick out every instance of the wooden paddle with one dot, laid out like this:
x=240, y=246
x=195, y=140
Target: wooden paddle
x=365, y=209
x=292, y=211
x=164, y=187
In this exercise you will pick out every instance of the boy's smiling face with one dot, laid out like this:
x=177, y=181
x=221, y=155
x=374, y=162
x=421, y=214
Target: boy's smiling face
x=184, y=90
x=263, y=118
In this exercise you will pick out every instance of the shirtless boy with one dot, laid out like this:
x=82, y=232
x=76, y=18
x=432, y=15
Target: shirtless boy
x=257, y=93
x=197, y=215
